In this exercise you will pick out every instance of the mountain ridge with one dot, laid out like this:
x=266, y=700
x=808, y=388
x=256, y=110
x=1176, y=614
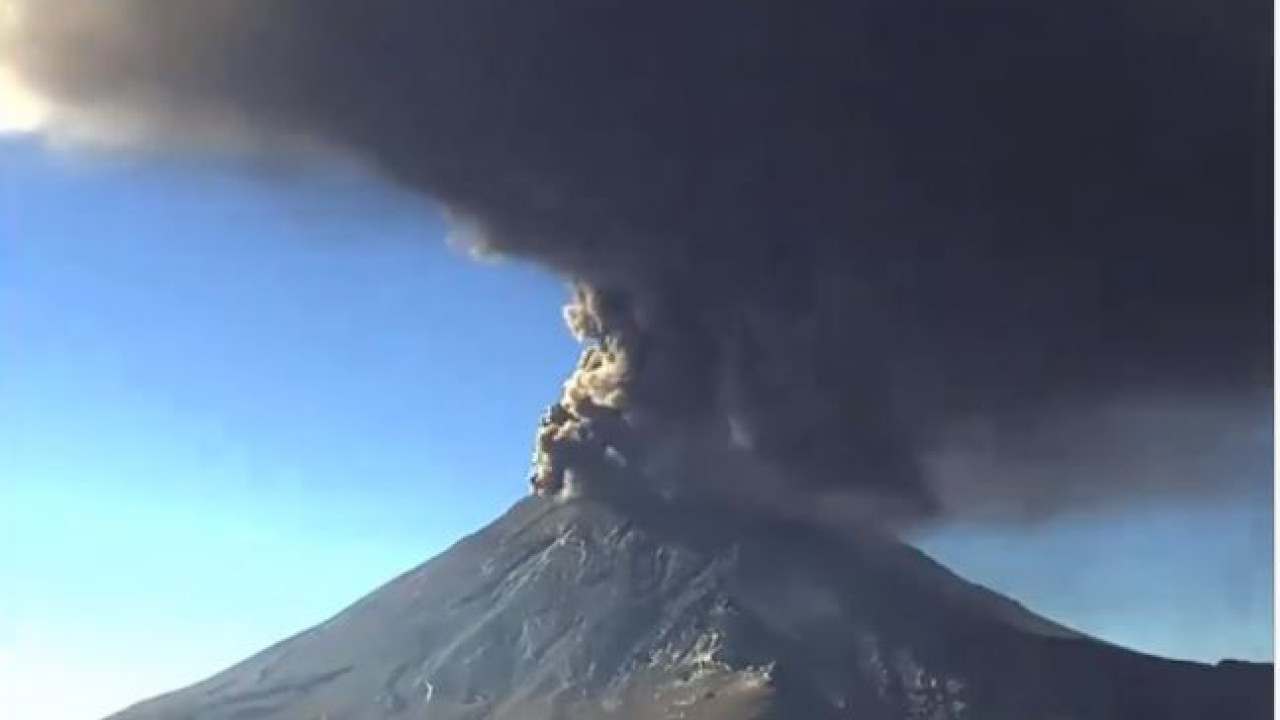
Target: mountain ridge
x=590, y=609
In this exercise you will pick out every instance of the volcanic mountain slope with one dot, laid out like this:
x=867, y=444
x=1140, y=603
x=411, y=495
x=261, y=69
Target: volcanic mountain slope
x=590, y=609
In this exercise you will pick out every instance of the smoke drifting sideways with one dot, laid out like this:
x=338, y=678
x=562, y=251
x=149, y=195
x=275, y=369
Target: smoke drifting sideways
x=813, y=244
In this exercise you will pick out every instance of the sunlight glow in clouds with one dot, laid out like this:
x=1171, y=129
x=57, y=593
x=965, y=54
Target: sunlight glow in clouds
x=21, y=110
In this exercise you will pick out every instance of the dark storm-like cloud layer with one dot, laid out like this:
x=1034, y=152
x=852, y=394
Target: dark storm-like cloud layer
x=820, y=234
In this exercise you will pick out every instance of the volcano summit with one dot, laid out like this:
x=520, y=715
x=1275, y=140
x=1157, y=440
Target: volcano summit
x=597, y=608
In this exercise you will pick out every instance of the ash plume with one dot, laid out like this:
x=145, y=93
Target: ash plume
x=811, y=242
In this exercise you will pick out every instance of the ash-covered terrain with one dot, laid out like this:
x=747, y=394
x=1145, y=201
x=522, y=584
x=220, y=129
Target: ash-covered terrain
x=599, y=608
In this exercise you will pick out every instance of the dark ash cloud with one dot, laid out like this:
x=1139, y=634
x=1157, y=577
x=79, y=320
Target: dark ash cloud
x=813, y=240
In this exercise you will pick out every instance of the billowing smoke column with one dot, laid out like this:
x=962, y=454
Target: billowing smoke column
x=813, y=243
x=587, y=424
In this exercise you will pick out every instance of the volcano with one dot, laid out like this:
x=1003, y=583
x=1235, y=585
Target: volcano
x=593, y=608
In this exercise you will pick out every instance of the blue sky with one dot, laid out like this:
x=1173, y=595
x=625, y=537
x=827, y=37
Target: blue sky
x=234, y=400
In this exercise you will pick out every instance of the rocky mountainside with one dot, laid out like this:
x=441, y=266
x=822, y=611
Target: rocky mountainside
x=592, y=609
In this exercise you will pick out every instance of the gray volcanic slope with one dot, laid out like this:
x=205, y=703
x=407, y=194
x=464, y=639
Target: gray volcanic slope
x=585, y=610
